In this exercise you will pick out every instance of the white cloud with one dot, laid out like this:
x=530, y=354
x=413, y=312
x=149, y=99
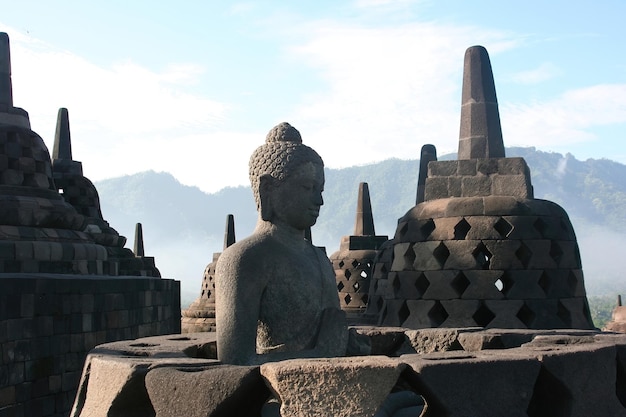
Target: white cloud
x=125, y=98
x=124, y=118
x=569, y=118
x=385, y=92
x=390, y=90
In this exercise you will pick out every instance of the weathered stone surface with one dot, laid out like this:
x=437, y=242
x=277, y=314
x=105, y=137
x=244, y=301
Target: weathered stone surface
x=438, y=285
x=336, y=387
x=410, y=285
x=456, y=385
x=114, y=385
x=113, y=379
x=435, y=340
x=577, y=377
x=222, y=390
x=463, y=313
x=384, y=340
x=516, y=185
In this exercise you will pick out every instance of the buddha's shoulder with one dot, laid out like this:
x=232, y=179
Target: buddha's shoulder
x=254, y=249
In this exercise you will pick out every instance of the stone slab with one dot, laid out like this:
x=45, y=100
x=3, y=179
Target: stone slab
x=338, y=387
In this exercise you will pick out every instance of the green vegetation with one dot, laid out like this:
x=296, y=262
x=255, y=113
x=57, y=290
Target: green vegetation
x=601, y=309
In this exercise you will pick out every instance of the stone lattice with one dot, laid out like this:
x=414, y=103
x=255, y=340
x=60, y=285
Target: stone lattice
x=480, y=250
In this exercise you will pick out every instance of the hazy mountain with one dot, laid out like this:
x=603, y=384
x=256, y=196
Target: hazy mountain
x=183, y=226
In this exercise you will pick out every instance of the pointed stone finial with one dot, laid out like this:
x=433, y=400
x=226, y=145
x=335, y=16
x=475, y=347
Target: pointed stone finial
x=62, y=140
x=229, y=233
x=6, y=90
x=139, y=241
x=619, y=300
x=481, y=133
x=364, y=224
x=429, y=153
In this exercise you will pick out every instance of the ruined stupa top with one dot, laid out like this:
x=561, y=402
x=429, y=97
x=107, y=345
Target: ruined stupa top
x=480, y=135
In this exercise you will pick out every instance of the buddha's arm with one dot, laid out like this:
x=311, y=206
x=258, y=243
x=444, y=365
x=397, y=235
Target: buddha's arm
x=238, y=298
x=331, y=340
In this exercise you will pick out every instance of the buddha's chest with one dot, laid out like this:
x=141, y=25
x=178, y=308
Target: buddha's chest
x=298, y=290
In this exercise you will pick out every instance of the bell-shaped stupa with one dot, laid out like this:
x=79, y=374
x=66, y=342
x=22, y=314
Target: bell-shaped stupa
x=200, y=316
x=50, y=220
x=478, y=249
x=353, y=262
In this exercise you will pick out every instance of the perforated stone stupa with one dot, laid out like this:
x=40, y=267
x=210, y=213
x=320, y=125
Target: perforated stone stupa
x=480, y=250
x=354, y=261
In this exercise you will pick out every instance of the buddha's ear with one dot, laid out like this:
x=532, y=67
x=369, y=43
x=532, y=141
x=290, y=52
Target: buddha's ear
x=266, y=187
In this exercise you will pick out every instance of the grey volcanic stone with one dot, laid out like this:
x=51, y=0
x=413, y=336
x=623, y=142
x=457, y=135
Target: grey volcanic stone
x=338, y=387
x=481, y=134
x=456, y=384
x=216, y=391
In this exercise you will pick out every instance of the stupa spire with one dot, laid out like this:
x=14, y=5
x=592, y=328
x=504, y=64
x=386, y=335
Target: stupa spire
x=9, y=115
x=364, y=224
x=229, y=233
x=6, y=90
x=139, y=252
x=480, y=134
x=428, y=153
x=62, y=139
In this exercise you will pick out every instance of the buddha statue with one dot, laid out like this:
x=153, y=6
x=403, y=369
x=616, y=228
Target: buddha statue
x=276, y=296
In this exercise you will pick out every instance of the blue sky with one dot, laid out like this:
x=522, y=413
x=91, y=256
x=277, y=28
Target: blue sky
x=192, y=88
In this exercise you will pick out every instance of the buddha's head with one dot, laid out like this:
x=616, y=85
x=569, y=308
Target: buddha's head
x=287, y=179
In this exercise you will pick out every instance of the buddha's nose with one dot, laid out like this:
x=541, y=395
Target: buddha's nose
x=318, y=199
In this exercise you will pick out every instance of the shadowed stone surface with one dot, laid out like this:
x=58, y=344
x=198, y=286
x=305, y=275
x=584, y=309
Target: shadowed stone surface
x=224, y=390
x=473, y=385
x=6, y=90
x=428, y=154
x=9, y=114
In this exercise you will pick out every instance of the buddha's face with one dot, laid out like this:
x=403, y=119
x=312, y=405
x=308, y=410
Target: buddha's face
x=296, y=200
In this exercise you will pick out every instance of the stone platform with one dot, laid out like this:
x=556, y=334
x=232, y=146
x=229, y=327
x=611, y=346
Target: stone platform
x=458, y=372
